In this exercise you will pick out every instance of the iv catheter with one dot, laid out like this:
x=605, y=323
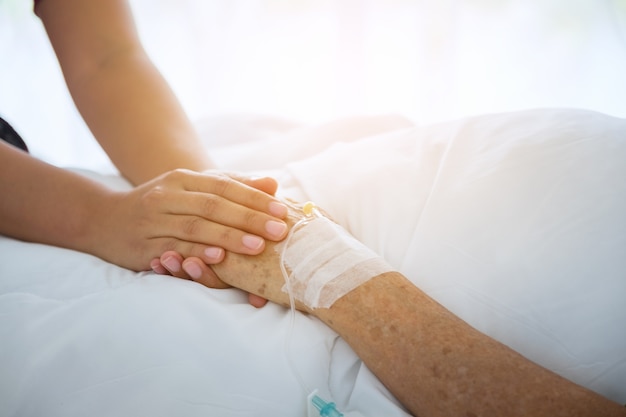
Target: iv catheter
x=325, y=409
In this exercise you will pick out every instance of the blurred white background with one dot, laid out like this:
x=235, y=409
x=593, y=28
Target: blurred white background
x=316, y=60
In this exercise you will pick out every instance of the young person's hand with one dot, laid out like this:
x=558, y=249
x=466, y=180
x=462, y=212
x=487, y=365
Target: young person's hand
x=197, y=268
x=197, y=215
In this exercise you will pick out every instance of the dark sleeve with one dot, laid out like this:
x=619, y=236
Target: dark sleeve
x=8, y=134
x=35, y=4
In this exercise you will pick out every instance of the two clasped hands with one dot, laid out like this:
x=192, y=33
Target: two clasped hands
x=202, y=216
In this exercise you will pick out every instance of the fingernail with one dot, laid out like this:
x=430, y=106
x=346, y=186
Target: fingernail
x=276, y=229
x=156, y=266
x=252, y=242
x=172, y=264
x=214, y=253
x=193, y=270
x=278, y=209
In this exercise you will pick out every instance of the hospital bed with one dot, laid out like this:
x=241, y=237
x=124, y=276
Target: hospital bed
x=516, y=222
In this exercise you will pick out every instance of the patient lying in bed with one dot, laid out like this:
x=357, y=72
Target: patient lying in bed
x=514, y=223
x=434, y=363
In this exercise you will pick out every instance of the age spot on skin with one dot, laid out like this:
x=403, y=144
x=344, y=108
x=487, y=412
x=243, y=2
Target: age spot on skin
x=261, y=289
x=443, y=396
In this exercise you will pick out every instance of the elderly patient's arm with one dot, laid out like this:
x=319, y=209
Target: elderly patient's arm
x=433, y=362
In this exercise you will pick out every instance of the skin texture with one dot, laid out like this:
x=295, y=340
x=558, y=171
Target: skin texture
x=185, y=211
x=121, y=95
x=433, y=362
x=132, y=112
x=347, y=129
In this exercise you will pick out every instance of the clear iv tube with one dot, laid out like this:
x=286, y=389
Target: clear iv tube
x=292, y=302
x=325, y=409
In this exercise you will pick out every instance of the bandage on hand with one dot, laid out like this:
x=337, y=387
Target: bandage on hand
x=321, y=261
x=260, y=274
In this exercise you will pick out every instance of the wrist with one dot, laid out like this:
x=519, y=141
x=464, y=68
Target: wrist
x=92, y=227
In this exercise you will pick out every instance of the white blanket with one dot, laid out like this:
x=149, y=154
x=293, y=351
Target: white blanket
x=514, y=221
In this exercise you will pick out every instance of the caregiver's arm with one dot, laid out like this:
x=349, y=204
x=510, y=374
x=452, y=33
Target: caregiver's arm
x=125, y=101
x=45, y=204
x=136, y=118
x=433, y=362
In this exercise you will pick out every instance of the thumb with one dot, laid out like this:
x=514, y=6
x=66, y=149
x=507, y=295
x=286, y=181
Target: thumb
x=266, y=184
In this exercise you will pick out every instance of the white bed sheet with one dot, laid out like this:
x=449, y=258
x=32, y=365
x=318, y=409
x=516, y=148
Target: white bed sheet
x=513, y=221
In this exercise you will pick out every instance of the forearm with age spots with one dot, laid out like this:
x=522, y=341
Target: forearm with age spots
x=433, y=362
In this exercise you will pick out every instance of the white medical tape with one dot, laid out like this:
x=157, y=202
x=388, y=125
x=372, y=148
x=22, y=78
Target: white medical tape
x=326, y=263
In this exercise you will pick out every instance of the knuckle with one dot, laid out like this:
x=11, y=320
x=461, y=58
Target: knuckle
x=176, y=175
x=192, y=226
x=167, y=245
x=251, y=219
x=210, y=205
x=180, y=172
x=226, y=237
x=153, y=196
x=222, y=184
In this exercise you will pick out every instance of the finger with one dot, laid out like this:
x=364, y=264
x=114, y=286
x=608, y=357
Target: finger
x=216, y=240
x=202, y=273
x=231, y=234
x=232, y=189
x=226, y=212
x=157, y=267
x=196, y=213
x=172, y=261
x=266, y=184
x=182, y=250
x=256, y=301
x=213, y=255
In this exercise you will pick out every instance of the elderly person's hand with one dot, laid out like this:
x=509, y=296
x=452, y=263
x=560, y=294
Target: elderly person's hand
x=248, y=269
